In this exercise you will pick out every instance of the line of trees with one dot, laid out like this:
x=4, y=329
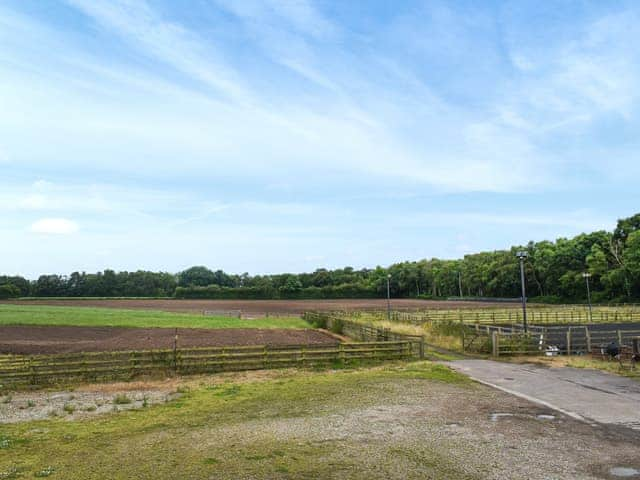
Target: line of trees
x=553, y=272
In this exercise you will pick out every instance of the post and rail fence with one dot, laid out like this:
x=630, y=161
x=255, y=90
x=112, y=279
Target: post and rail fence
x=362, y=332
x=499, y=333
x=42, y=370
x=572, y=340
x=535, y=315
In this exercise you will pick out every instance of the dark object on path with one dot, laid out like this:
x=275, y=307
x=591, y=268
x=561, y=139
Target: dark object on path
x=635, y=358
x=612, y=350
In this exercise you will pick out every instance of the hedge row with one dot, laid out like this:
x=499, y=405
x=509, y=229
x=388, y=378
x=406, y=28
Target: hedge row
x=257, y=293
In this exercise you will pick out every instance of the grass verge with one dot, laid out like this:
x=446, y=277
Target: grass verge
x=110, y=317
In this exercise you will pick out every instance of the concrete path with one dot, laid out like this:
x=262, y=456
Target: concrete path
x=589, y=395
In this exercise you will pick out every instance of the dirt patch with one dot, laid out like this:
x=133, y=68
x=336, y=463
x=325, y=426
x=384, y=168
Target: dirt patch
x=77, y=404
x=18, y=339
x=92, y=399
x=262, y=307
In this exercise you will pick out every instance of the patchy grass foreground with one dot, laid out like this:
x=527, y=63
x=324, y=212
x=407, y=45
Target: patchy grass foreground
x=402, y=421
x=218, y=431
x=110, y=317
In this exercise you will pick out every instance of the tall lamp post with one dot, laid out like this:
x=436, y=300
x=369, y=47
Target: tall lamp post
x=389, y=297
x=522, y=255
x=586, y=276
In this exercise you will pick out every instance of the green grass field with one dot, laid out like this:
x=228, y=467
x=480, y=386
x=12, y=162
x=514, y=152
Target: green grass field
x=110, y=317
x=240, y=430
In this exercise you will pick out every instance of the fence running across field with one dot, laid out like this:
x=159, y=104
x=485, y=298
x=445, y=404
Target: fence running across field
x=222, y=313
x=539, y=315
x=501, y=332
x=97, y=366
x=572, y=340
x=340, y=323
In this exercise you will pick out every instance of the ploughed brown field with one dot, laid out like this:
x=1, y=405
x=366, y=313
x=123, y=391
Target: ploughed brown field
x=19, y=339
x=262, y=307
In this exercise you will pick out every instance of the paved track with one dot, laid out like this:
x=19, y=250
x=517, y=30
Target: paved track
x=590, y=395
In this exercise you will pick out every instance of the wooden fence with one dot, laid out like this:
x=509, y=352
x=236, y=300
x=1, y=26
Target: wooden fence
x=535, y=315
x=364, y=332
x=96, y=366
x=550, y=341
x=222, y=313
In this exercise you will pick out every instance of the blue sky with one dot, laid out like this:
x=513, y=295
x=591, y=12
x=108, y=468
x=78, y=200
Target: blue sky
x=285, y=135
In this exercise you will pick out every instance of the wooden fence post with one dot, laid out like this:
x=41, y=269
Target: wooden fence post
x=587, y=334
x=620, y=337
x=175, y=352
x=32, y=372
x=495, y=349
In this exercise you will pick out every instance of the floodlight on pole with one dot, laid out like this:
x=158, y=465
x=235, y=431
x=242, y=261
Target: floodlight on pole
x=587, y=276
x=389, y=297
x=522, y=255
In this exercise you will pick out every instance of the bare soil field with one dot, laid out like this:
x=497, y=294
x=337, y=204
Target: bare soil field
x=19, y=339
x=260, y=307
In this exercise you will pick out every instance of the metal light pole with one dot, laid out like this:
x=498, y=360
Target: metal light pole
x=522, y=255
x=460, y=283
x=586, y=276
x=389, y=297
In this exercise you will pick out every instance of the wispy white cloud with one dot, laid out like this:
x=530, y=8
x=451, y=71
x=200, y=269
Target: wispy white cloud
x=573, y=83
x=577, y=220
x=55, y=226
x=272, y=122
x=301, y=16
x=362, y=130
x=141, y=25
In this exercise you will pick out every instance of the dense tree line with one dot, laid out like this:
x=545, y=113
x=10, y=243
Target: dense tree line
x=553, y=272
x=101, y=284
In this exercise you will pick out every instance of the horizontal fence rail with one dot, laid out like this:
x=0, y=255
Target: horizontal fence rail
x=555, y=341
x=362, y=332
x=95, y=366
x=222, y=313
x=539, y=315
x=551, y=331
